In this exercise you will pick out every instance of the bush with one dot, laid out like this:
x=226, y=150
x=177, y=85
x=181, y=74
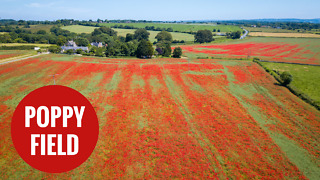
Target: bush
x=286, y=78
x=177, y=52
x=54, y=49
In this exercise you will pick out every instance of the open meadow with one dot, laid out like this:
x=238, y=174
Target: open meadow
x=305, y=78
x=167, y=118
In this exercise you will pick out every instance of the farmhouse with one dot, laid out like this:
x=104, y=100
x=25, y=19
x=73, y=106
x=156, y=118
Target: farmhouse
x=97, y=44
x=72, y=45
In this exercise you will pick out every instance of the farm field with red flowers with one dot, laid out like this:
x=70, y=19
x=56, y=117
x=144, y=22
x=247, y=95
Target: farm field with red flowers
x=295, y=50
x=167, y=118
x=5, y=54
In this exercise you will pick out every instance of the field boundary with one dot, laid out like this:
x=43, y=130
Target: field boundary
x=290, y=87
x=18, y=58
x=290, y=63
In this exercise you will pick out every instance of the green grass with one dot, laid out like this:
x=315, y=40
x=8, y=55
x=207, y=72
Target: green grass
x=179, y=27
x=18, y=52
x=25, y=44
x=79, y=29
x=35, y=28
x=273, y=30
x=305, y=78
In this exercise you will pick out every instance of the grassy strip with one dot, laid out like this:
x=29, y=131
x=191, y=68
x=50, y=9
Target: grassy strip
x=291, y=88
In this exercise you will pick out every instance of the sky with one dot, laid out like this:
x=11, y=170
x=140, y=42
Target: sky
x=163, y=10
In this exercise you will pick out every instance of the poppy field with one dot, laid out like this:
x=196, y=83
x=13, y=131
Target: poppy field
x=5, y=54
x=293, y=50
x=170, y=118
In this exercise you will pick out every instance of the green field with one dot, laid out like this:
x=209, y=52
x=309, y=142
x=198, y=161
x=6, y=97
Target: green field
x=179, y=27
x=274, y=30
x=35, y=28
x=305, y=78
x=124, y=32
x=79, y=29
x=25, y=44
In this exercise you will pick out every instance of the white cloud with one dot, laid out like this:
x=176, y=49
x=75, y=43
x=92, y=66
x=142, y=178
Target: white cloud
x=38, y=5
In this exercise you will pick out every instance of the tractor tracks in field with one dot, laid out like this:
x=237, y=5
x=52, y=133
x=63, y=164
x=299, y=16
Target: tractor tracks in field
x=213, y=157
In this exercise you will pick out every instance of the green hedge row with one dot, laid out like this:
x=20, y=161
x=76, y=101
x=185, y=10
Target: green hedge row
x=291, y=88
x=17, y=47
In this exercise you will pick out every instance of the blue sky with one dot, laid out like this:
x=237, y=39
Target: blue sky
x=158, y=10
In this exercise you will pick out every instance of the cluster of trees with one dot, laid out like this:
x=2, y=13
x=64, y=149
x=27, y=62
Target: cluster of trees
x=203, y=36
x=21, y=35
x=233, y=35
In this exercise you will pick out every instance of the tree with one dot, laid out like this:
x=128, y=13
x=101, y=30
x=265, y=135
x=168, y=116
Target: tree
x=164, y=36
x=144, y=49
x=234, y=35
x=5, y=38
x=203, y=36
x=286, y=78
x=107, y=30
x=177, y=52
x=165, y=49
x=69, y=51
x=79, y=51
x=82, y=41
x=129, y=37
x=54, y=49
x=140, y=34
x=41, y=32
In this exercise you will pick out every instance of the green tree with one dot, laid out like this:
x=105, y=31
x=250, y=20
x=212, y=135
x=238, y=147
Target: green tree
x=177, y=52
x=140, y=34
x=82, y=41
x=164, y=36
x=5, y=38
x=107, y=30
x=129, y=37
x=41, y=32
x=165, y=49
x=69, y=51
x=61, y=40
x=54, y=49
x=203, y=36
x=145, y=49
x=286, y=78
x=234, y=35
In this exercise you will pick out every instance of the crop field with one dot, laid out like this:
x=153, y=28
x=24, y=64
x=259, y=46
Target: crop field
x=275, y=30
x=25, y=44
x=295, y=50
x=167, y=118
x=5, y=54
x=179, y=27
x=305, y=78
x=79, y=29
x=294, y=35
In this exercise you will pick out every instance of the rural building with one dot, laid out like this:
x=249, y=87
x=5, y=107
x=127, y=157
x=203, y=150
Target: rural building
x=97, y=44
x=72, y=45
x=221, y=34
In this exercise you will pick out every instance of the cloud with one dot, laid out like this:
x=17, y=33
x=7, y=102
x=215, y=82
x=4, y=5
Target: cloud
x=38, y=5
